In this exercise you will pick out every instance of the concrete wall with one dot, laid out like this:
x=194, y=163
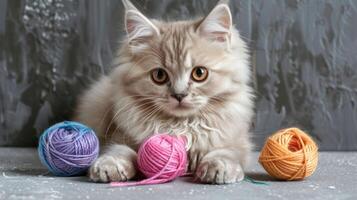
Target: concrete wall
x=304, y=56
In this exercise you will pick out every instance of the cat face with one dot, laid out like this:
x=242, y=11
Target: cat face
x=182, y=68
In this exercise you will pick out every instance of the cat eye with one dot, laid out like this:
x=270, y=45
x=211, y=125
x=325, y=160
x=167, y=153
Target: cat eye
x=159, y=76
x=199, y=74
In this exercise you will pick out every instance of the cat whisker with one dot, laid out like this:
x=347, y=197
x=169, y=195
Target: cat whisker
x=106, y=114
x=116, y=114
x=110, y=124
x=155, y=109
x=120, y=110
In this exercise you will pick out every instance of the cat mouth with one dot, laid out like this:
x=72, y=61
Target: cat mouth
x=182, y=107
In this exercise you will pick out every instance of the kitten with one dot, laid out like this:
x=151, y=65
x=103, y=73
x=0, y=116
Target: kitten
x=184, y=77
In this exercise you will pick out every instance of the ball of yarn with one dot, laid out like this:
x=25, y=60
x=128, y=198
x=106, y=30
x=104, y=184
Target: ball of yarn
x=68, y=148
x=161, y=158
x=289, y=154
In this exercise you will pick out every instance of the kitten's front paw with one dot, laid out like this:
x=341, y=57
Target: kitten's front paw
x=194, y=160
x=219, y=171
x=109, y=168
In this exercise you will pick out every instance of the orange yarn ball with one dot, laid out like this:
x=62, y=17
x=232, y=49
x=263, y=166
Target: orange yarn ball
x=289, y=154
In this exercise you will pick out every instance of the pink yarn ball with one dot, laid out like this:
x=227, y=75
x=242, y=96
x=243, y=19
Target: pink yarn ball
x=161, y=158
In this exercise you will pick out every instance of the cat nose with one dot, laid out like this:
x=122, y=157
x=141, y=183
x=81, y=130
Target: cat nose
x=179, y=97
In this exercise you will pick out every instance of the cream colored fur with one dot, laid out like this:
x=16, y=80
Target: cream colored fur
x=126, y=106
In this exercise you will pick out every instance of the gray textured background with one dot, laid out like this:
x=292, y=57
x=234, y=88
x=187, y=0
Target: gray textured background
x=304, y=56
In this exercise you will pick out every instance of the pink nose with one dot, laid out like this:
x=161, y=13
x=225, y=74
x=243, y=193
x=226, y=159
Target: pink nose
x=179, y=97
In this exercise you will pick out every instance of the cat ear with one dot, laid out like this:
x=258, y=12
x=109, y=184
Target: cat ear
x=218, y=23
x=137, y=25
x=128, y=5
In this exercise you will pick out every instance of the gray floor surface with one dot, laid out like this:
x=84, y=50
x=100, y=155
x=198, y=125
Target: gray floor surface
x=23, y=177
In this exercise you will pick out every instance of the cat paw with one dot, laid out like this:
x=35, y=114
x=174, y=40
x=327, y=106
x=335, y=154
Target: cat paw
x=109, y=168
x=194, y=159
x=219, y=171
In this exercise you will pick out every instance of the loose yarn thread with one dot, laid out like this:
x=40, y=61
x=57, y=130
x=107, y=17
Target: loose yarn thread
x=68, y=148
x=161, y=158
x=289, y=154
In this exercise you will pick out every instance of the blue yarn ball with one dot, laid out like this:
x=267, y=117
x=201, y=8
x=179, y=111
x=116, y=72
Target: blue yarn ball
x=68, y=148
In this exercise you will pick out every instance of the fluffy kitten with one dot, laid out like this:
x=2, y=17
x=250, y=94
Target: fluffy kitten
x=184, y=77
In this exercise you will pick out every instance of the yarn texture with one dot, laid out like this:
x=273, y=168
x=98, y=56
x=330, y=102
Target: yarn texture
x=68, y=148
x=161, y=158
x=289, y=154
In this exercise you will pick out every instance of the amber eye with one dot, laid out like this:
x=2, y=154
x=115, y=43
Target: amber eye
x=159, y=76
x=199, y=74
